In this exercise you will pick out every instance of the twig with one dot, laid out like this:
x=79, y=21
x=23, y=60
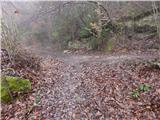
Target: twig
x=29, y=112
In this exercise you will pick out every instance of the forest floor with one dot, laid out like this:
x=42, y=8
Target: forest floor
x=97, y=87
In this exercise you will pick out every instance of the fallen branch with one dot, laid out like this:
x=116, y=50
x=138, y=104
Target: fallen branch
x=139, y=16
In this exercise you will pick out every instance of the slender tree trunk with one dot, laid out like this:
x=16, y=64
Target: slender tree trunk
x=156, y=17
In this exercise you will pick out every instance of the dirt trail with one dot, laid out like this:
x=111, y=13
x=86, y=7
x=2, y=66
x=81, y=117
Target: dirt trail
x=64, y=86
x=72, y=58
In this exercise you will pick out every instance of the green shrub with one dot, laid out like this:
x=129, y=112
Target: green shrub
x=135, y=93
x=84, y=33
x=140, y=89
x=109, y=46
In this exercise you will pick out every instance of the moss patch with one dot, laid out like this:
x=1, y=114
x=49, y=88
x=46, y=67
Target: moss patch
x=5, y=97
x=10, y=85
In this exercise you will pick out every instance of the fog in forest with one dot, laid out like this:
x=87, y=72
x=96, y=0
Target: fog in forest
x=78, y=25
x=80, y=60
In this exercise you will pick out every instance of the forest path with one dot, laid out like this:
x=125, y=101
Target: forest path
x=70, y=58
x=65, y=87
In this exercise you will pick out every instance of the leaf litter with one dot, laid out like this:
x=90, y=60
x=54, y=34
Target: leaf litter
x=90, y=88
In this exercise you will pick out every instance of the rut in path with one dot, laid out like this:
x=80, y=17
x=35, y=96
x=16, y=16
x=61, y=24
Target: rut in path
x=61, y=82
x=62, y=79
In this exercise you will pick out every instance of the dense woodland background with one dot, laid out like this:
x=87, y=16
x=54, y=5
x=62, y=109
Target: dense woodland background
x=87, y=25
